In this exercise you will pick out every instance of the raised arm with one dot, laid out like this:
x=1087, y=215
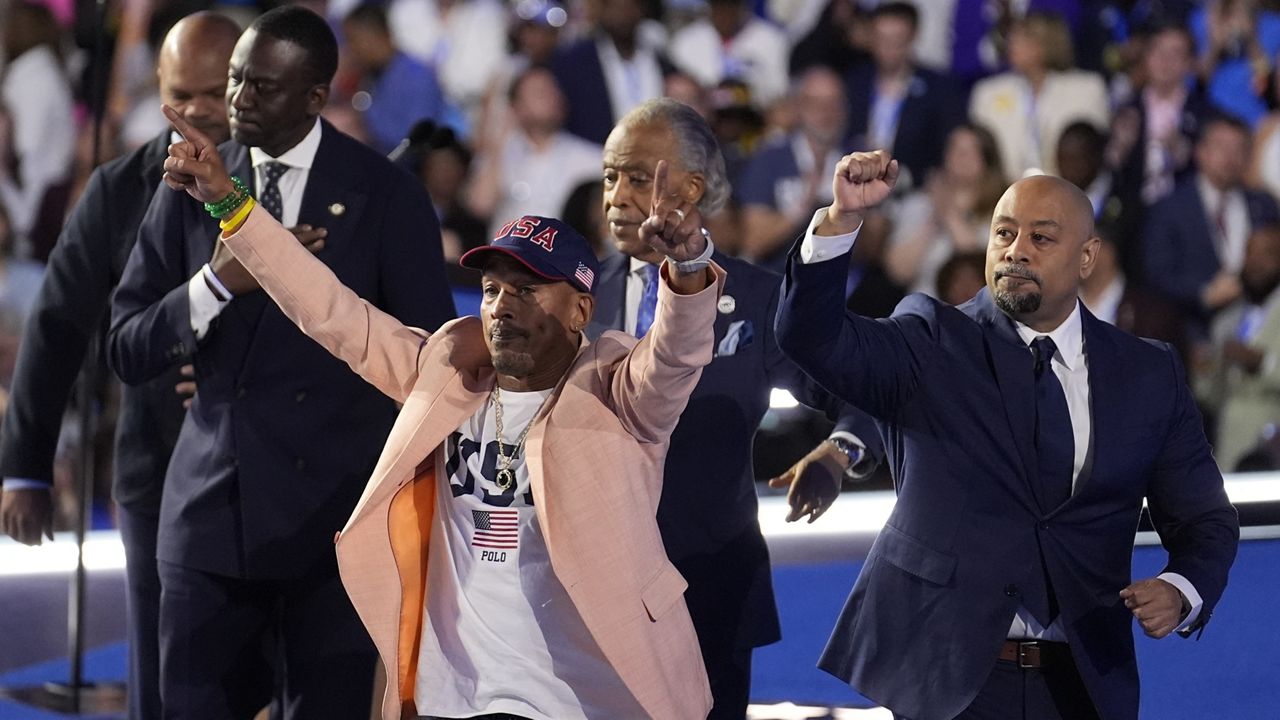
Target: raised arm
x=377, y=346
x=650, y=387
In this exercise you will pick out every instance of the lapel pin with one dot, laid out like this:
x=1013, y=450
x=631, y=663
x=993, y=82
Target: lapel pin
x=727, y=304
x=337, y=209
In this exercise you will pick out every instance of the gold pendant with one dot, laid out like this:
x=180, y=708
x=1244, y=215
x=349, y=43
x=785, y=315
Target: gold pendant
x=506, y=479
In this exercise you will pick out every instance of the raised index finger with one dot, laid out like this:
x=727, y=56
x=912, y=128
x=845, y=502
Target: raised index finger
x=659, y=184
x=197, y=139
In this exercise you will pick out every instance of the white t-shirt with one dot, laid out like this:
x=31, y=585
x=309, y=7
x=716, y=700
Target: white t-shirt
x=500, y=633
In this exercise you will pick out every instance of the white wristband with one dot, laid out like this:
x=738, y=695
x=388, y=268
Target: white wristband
x=699, y=263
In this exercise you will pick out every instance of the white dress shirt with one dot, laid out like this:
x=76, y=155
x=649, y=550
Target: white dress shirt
x=204, y=304
x=629, y=82
x=1071, y=365
x=1229, y=239
x=37, y=95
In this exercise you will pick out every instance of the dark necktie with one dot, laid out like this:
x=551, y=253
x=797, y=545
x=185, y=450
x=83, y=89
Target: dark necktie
x=1055, y=440
x=648, y=301
x=270, y=198
x=1055, y=453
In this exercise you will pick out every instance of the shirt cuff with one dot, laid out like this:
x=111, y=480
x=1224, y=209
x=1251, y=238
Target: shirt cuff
x=859, y=469
x=816, y=248
x=205, y=305
x=1189, y=592
x=13, y=483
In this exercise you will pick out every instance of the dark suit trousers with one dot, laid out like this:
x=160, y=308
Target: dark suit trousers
x=216, y=634
x=1012, y=693
x=138, y=533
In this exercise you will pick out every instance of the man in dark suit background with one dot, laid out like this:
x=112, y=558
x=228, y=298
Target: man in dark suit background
x=84, y=268
x=280, y=436
x=1025, y=435
x=895, y=104
x=708, y=510
x=1193, y=243
x=610, y=71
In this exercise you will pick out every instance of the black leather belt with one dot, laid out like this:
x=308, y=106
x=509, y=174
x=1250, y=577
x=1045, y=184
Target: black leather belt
x=1036, y=653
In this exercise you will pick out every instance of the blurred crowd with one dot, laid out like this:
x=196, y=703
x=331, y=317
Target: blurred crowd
x=1166, y=112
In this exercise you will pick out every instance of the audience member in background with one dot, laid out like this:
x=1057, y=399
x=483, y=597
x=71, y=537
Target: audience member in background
x=1081, y=162
x=280, y=436
x=868, y=288
x=1239, y=380
x=950, y=214
x=838, y=41
x=535, y=36
x=35, y=168
x=1236, y=41
x=402, y=90
x=897, y=106
x=1152, y=135
x=739, y=127
x=1193, y=242
x=708, y=513
x=731, y=42
x=84, y=269
x=443, y=165
x=1264, y=169
x=1028, y=107
x=584, y=212
x=788, y=179
x=961, y=277
x=530, y=165
x=465, y=41
x=1118, y=298
x=610, y=71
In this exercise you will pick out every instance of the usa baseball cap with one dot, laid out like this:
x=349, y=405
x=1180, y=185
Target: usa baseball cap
x=548, y=247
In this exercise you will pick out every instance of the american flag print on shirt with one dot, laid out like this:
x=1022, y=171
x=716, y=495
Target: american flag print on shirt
x=497, y=529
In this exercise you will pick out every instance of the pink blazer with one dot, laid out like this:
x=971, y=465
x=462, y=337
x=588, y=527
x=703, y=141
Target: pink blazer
x=595, y=461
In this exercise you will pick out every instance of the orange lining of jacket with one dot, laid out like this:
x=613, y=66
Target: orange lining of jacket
x=409, y=526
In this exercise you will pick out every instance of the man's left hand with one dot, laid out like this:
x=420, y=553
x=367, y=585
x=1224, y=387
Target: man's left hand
x=813, y=482
x=1155, y=604
x=674, y=225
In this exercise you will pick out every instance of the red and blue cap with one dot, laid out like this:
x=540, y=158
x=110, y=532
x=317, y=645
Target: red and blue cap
x=548, y=247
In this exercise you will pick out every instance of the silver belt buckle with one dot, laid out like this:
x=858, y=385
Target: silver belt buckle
x=1022, y=654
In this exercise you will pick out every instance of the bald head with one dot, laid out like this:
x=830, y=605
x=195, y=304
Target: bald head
x=192, y=70
x=1042, y=246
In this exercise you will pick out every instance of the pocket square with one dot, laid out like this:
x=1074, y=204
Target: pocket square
x=739, y=335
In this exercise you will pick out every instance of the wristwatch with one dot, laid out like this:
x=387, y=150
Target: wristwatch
x=859, y=460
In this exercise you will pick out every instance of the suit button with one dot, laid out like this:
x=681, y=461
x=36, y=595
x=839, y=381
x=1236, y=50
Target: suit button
x=1044, y=526
x=240, y=393
x=1011, y=590
x=300, y=464
x=302, y=395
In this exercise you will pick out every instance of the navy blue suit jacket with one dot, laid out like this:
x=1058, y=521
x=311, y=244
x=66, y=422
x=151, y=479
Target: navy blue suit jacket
x=282, y=436
x=954, y=391
x=1177, y=242
x=72, y=306
x=581, y=78
x=708, y=506
x=932, y=108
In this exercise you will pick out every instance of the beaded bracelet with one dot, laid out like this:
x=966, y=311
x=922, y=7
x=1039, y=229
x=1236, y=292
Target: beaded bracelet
x=233, y=200
x=235, y=220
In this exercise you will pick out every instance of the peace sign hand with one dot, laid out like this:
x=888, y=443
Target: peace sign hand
x=194, y=164
x=674, y=226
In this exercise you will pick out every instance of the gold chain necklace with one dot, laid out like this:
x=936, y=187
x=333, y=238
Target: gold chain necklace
x=506, y=476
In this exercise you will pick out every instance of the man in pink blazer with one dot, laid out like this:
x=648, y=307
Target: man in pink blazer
x=512, y=570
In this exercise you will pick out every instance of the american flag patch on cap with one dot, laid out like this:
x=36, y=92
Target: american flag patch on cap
x=584, y=275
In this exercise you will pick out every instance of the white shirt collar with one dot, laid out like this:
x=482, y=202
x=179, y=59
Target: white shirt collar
x=638, y=266
x=1069, y=337
x=299, y=156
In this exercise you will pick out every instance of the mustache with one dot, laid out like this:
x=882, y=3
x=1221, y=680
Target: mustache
x=1017, y=270
x=506, y=330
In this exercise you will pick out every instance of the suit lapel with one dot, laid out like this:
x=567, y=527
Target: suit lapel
x=1106, y=399
x=610, y=296
x=331, y=199
x=1014, y=369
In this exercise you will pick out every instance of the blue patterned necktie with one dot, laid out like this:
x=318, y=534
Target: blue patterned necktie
x=270, y=197
x=648, y=301
x=1055, y=440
